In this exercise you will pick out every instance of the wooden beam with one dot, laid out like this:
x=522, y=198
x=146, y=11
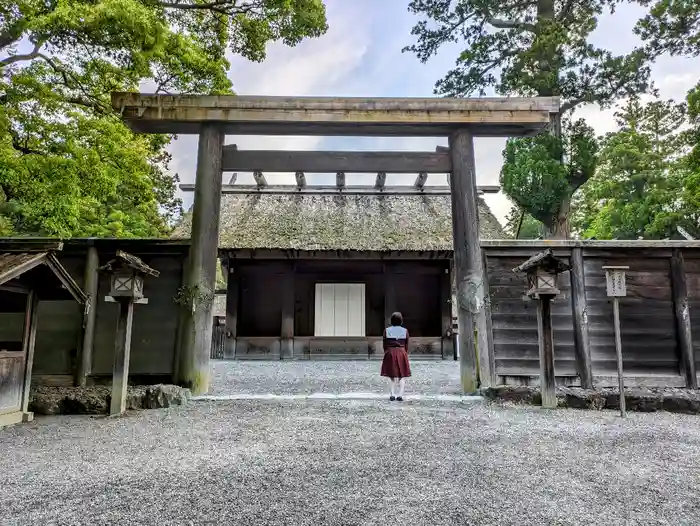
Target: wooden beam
x=31, y=316
x=122, y=354
x=467, y=261
x=260, y=180
x=340, y=180
x=30, y=245
x=200, y=277
x=91, y=282
x=301, y=179
x=681, y=307
x=421, y=180
x=380, y=181
x=246, y=115
x=579, y=305
x=347, y=190
x=328, y=162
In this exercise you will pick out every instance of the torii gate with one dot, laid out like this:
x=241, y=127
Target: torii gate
x=212, y=117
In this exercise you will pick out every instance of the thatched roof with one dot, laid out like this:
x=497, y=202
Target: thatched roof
x=334, y=222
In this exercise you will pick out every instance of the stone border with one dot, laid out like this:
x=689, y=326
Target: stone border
x=637, y=399
x=95, y=400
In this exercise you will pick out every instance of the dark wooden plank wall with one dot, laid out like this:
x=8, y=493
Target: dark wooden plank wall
x=418, y=299
x=417, y=295
x=514, y=321
x=59, y=327
x=647, y=323
x=155, y=326
x=260, y=307
x=650, y=340
x=692, y=276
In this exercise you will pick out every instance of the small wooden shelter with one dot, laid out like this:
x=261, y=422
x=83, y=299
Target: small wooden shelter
x=29, y=273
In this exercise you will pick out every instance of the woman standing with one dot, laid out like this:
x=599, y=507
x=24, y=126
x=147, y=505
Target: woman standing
x=395, y=364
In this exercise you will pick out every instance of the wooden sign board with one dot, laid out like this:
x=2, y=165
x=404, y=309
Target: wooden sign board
x=615, y=281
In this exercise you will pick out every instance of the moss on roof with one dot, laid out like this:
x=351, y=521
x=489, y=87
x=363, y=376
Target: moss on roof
x=336, y=222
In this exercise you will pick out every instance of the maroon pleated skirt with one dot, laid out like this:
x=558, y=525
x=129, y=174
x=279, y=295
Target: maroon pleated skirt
x=395, y=363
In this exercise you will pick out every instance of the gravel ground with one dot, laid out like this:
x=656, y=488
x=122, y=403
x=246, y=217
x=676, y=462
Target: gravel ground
x=305, y=377
x=352, y=463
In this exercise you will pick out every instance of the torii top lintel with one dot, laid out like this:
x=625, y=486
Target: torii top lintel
x=247, y=115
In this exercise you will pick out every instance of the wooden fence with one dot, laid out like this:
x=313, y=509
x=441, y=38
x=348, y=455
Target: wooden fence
x=660, y=317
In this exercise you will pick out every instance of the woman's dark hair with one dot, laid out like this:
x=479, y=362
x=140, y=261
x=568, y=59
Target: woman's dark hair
x=396, y=319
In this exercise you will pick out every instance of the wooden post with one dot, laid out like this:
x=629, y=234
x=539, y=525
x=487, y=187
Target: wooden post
x=122, y=350
x=579, y=305
x=179, y=337
x=546, y=343
x=92, y=280
x=389, y=292
x=31, y=316
x=468, y=261
x=446, y=314
x=681, y=308
x=232, y=293
x=484, y=318
x=618, y=352
x=287, y=329
x=200, y=279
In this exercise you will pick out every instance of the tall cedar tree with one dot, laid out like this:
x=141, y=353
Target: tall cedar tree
x=638, y=190
x=534, y=48
x=68, y=166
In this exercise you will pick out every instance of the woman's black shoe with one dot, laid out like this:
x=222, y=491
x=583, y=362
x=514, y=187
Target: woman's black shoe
x=399, y=399
x=392, y=398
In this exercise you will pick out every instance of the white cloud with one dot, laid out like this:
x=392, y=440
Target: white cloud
x=314, y=67
x=361, y=56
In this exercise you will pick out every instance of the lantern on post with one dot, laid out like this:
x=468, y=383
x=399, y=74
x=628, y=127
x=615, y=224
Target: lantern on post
x=542, y=270
x=616, y=288
x=126, y=288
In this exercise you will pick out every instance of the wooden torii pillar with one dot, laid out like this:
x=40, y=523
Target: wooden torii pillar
x=200, y=274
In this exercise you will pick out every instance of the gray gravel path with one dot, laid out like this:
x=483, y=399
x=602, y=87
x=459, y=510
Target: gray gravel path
x=305, y=377
x=352, y=463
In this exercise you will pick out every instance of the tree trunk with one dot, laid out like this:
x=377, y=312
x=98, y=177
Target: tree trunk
x=562, y=228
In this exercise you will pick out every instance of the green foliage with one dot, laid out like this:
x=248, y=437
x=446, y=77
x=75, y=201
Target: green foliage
x=521, y=226
x=528, y=48
x=646, y=184
x=671, y=26
x=535, y=177
x=68, y=166
x=531, y=47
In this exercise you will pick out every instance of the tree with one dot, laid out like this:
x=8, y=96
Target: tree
x=528, y=48
x=521, y=225
x=68, y=166
x=635, y=191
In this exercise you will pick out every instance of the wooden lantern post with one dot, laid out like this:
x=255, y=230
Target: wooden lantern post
x=126, y=289
x=616, y=288
x=542, y=270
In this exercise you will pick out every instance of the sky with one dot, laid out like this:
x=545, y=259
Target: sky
x=360, y=55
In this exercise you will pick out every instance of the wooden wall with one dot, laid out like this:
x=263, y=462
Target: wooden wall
x=261, y=286
x=651, y=344
x=155, y=329
x=514, y=321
